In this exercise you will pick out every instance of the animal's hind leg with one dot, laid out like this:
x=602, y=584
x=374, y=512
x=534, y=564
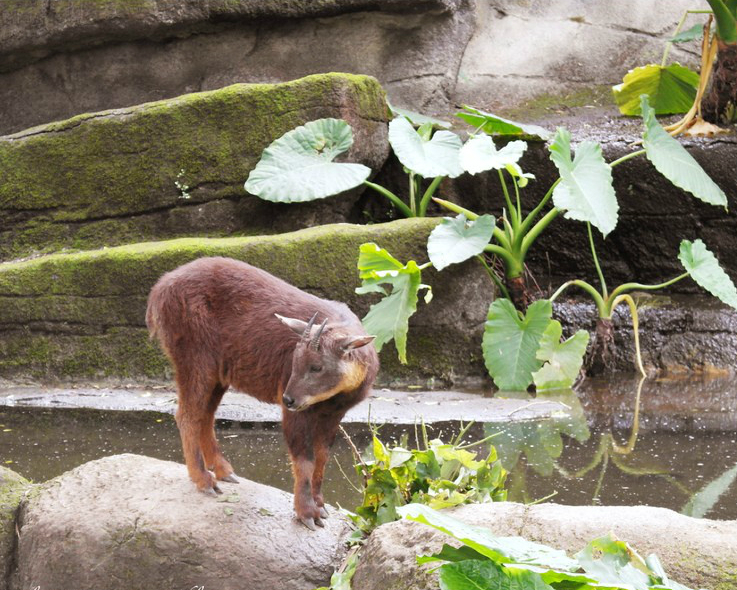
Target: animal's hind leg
x=214, y=458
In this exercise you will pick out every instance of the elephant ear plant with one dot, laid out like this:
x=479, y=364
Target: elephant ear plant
x=522, y=345
x=299, y=166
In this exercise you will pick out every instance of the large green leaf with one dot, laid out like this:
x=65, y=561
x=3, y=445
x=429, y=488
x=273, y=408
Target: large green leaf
x=510, y=343
x=430, y=158
x=704, y=268
x=495, y=125
x=672, y=160
x=479, y=154
x=487, y=575
x=614, y=563
x=498, y=549
x=299, y=165
x=585, y=192
x=563, y=360
x=707, y=497
x=456, y=239
x=389, y=318
x=672, y=89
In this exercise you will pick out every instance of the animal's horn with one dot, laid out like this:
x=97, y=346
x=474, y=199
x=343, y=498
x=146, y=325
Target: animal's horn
x=308, y=328
x=316, y=340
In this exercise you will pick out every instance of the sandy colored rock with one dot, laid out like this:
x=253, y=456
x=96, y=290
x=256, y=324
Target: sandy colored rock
x=699, y=553
x=138, y=522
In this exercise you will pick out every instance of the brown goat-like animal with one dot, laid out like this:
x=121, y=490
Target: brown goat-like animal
x=226, y=323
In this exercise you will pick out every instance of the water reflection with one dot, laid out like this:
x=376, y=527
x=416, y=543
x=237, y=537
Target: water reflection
x=679, y=453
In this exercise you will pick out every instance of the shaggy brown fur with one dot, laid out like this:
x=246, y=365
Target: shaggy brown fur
x=217, y=319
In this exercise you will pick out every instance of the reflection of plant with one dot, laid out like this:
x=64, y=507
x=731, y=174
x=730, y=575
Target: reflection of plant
x=438, y=474
x=489, y=562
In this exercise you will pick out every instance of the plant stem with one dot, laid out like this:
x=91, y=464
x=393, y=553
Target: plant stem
x=428, y=195
x=396, y=201
x=512, y=211
x=595, y=295
x=596, y=261
x=625, y=287
x=494, y=278
x=626, y=157
x=531, y=235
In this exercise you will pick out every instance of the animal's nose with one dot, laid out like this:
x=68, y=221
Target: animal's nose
x=288, y=401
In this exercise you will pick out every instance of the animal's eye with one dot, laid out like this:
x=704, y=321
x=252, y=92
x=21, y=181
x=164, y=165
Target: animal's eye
x=315, y=369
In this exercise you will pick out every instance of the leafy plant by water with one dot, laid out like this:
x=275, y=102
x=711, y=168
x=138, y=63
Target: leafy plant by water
x=489, y=562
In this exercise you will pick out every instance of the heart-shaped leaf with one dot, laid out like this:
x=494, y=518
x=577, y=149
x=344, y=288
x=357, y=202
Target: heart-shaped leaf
x=510, y=342
x=457, y=239
x=299, y=165
x=479, y=154
x=585, y=192
x=672, y=160
x=496, y=125
x=704, y=268
x=671, y=88
x=563, y=360
x=430, y=158
x=389, y=318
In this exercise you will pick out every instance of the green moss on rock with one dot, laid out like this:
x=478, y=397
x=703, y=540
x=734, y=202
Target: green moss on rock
x=82, y=314
x=120, y=166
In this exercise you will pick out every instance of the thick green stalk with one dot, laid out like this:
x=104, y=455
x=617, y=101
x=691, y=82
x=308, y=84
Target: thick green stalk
x=396, y=201
x=596, y=262
x=428, y=195
x=625, y=287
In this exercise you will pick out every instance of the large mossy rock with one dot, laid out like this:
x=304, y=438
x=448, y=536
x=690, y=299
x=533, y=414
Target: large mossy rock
x=82, y=315
x=699, y=553
x=129, y=521
x=109, y=178
x=12, y=488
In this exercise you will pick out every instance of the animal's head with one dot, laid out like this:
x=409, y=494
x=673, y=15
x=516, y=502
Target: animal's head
x=322, y=366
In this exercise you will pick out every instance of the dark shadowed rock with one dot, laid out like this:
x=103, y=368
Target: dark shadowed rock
x=697, y=552
x=134, y=522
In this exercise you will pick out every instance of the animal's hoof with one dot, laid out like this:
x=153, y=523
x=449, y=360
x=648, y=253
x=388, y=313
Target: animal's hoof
x=232, y=478
x=323, y=512
x=308, y=522
x=319, y=522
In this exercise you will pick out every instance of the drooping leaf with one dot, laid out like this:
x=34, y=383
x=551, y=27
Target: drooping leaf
x=495, y=125
x=704, y=268
x=299, y=165
x=707, y=497
x=418, y=119
x=479, y=154
x=672, y=160
x=725, y=21
x=430, y=158
x=563, y=360
x=487, y=575
x=691, y=34
x=457, y=239
x=585, y=192
x=498, y=549
x=510, y=343
x=389, y=318
x=672, y=89
x=614, y=563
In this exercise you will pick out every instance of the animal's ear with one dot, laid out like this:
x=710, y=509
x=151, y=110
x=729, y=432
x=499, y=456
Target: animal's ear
x=296, y=325
x=352, y=342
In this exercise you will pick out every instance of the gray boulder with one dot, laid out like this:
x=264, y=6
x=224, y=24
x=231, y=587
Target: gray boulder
x=128, y=521
x=12, y=488
x=700, y=553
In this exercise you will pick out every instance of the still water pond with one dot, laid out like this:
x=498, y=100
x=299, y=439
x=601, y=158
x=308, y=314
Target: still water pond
x=677, y=449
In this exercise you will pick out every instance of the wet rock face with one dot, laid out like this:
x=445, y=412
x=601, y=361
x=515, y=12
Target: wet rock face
x=109, y=178
x=139, y=522
x=697, y=552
